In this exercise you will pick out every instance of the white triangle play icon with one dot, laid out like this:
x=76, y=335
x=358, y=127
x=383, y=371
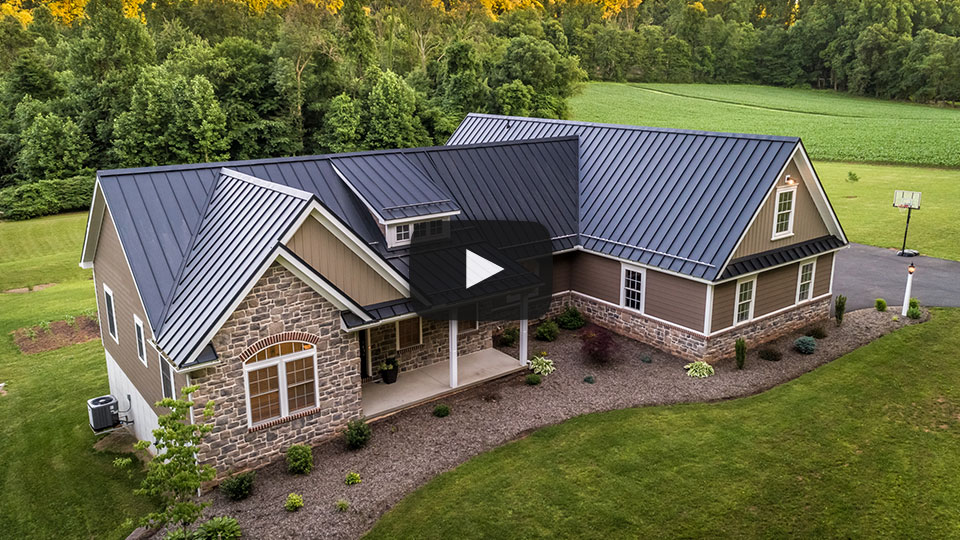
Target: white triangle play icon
x=479, y=269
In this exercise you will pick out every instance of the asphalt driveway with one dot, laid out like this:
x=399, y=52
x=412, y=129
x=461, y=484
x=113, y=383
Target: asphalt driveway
x=865, y=273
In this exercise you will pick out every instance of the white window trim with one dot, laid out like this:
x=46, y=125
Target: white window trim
x=112, y=313
x=396, y=331
x=139, y=339
x=776, y=211
x=395, y=230
x=736, y=300
x=168, y=367
x=813, y=279
x=279, y=361
x=643, y=287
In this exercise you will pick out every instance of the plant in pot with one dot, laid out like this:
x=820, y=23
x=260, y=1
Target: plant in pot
x=388, y=370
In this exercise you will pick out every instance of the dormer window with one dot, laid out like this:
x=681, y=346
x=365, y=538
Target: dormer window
x=783, y=216
x=402, y=234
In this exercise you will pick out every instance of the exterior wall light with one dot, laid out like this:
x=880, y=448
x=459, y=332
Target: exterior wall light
x=789, y=180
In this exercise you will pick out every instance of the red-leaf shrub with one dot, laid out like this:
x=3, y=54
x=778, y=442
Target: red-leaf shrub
x=597, y=344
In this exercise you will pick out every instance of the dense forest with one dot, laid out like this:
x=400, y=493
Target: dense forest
x=88, y=84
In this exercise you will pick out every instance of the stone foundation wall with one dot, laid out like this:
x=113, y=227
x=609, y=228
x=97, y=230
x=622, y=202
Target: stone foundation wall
x=280, y=307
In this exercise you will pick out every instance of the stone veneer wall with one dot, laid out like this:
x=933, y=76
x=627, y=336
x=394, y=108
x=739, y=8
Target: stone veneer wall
x=686, y=344
x=280, y=307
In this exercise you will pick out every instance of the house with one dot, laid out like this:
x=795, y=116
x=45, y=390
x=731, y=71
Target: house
x=278, y=286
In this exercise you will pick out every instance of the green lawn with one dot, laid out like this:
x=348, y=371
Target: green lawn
x=52, y=483
x=833, y=126
x=864, y=447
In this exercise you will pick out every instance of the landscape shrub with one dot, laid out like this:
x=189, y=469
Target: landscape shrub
x=817, y=332
x=238, y=486
x=299, y=459
x=597, y=343
x=509, y=336
x=853, y=177
x=914, y=313
x=541, y=365
x=839, y=308
x=699, y=369
x=357, y=434
x=770, y=354
x=533, y=379
x=741, y=350
x=441, y=411
x=219, y=528
x=805, y=345
x=880, y=304
x=46, y=197
x=293, y=503
x=571, y=319
x=914, y=303
x=343, y=505
x=179, y=534
x=646, y=359
x=547, y=331
x=352, y=478
x=589, y=379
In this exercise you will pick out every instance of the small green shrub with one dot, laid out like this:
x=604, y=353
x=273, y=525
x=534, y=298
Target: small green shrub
x=769, y=354
x=238, y=486
x=343, y=505
x=646, y=359
x=533, y=379
x=179, y=534
x=839, y=308
x=357, y=434
x=219, y=528
x=589, y=379
x=509, y=337
x=741, y=350
x=571, y=319
x=915, y=303
x=541, y=365
x=547, y=331
x=441, y=411
x=880, y=304
x=352, y=478
x=853, y=177
x=299, y=459
x=817, y=332
x=294, y=502
x=914, y=313
x=699, y=369
x=805, y=345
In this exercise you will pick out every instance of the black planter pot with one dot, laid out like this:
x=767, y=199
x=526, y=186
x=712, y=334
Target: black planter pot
x=389, y=376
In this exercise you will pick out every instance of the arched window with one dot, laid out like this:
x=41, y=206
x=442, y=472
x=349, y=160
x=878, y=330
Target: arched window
x=281, y=380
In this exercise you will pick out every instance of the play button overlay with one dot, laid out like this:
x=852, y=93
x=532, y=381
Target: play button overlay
x=479, y=269
x=482, y=270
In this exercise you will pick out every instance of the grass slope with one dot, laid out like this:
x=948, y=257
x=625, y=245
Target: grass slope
x=52, y=483
x=833, y=126
x=863, y=447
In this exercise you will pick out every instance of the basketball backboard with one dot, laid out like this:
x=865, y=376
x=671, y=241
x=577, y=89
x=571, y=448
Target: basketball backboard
x=906, y=199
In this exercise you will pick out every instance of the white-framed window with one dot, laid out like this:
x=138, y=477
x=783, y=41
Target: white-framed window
x=402, y=234
x=111, y=313
x=784, y=211
x=743, y=307
x=141, y=340
x=409, y=333
x=281, y=380
x=632, y=287
x=166, y=378
x=805, y=280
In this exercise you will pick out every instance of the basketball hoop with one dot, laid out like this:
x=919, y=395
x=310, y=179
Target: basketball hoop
x=906, y=202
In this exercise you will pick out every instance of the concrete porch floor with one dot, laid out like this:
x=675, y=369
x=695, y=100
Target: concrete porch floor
x=426, y=383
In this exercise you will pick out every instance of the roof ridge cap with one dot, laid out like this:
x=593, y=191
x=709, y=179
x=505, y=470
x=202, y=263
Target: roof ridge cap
x=266, y=184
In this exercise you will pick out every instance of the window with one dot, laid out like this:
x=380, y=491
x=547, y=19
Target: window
x=744, y=306
x=805, y=281
x=783, y=219
x=632, y=290
x=409, y=333
x=426, y=229
x=141, y=344
x=111, y=314
x=403, y=233
x=464, y=326
x=281, y=380
x=166, y=377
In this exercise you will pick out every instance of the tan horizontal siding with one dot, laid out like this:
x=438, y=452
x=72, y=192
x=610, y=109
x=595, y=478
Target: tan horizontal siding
x=675, y=299
x=596, y=276
x=723, y=300
x=776, y=289
x=821, y=279
x=562, y=265
x=332, y=259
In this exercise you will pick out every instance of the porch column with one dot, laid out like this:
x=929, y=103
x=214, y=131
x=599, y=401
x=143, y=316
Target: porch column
x=452, y=325
x=524, y=357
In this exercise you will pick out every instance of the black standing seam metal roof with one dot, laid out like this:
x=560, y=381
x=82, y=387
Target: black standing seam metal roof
x=774, y=257
x=674, y=199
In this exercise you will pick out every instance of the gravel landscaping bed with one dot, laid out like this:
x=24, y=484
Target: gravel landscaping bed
x=413, y=446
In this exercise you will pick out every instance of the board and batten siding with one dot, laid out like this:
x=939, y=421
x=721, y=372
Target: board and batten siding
x=596, y=276
x=332, y=259
x=562, y=265
x=807, y=222
x=821, y=276
x=110, y=268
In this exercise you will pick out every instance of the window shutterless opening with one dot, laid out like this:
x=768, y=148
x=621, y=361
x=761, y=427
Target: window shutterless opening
x=281, y=380
x=111, y=313
x=141, y=342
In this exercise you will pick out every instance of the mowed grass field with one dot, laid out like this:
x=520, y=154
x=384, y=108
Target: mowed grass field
x=833, y=127
x=53, y=484
x=863, y=447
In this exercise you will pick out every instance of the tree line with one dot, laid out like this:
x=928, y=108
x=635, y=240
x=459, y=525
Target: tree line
x=93, y=84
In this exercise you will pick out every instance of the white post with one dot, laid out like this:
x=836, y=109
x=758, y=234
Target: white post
x=906, y=294
x=453, y=349
x=524, y=357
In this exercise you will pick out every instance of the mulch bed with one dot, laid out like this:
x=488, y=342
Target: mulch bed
x=412, y=447
x=23, y=290
x=59, y=334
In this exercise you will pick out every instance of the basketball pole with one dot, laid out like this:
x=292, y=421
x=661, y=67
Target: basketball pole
x=903, y=250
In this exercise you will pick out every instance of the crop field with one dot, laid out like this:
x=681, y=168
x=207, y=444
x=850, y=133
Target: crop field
x=833, y=126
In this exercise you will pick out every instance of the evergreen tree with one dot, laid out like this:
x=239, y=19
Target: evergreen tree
x=359, y=43
x=391, y=107
x=341, y=126
x=515, y=98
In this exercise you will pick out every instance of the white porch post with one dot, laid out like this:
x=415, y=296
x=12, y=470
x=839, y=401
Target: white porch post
x=453, y=349
x=524, y=357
